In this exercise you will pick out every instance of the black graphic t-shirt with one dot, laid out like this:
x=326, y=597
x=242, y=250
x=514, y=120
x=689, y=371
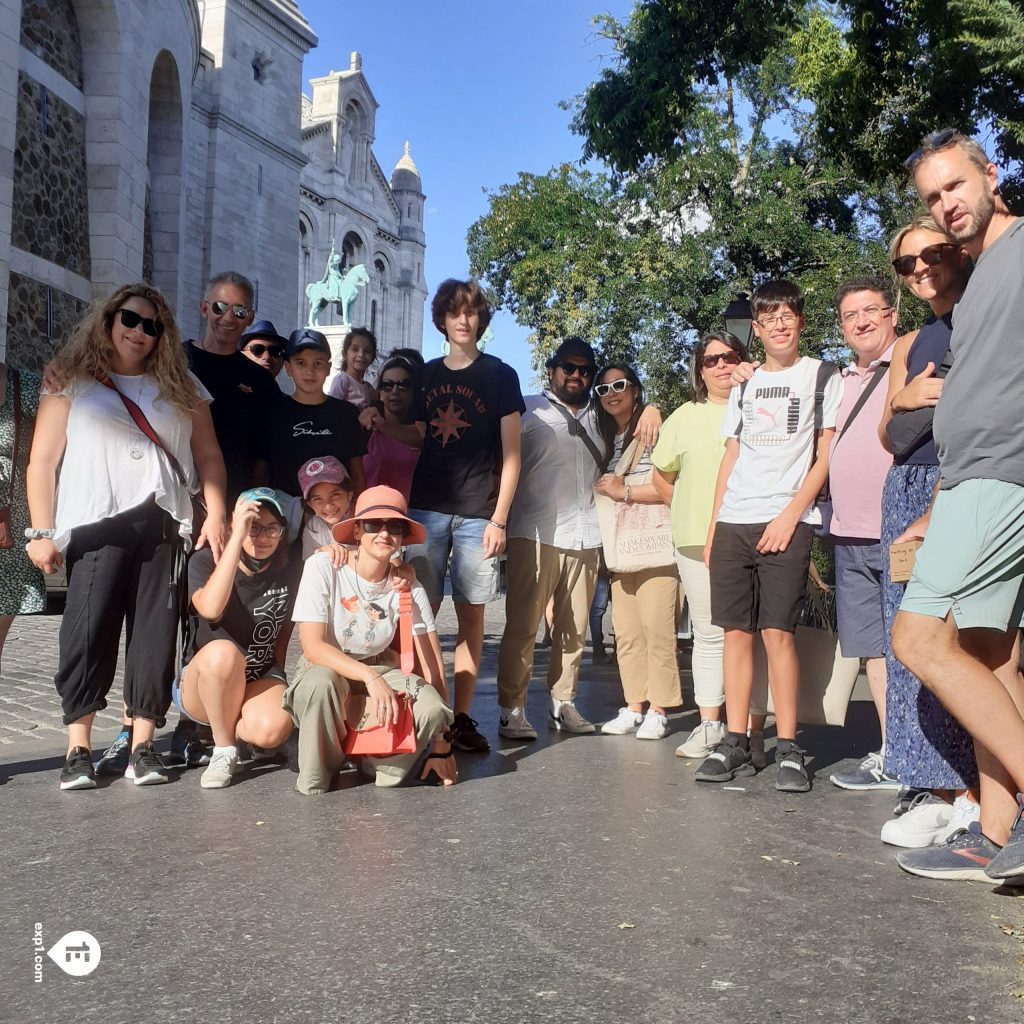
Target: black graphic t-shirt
x=241, y=391
x=258, y=606
x=294, y=433
x=460, y=466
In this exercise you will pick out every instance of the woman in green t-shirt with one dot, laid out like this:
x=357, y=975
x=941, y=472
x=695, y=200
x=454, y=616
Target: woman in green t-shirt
x=686, y=460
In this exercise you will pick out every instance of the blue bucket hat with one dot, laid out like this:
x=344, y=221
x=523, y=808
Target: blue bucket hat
x=261, y=329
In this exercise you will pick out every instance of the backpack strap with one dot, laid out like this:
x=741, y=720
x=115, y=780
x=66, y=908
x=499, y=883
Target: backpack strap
x=576, y=429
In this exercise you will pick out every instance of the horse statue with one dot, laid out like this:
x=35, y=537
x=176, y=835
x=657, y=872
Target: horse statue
x=334, y=287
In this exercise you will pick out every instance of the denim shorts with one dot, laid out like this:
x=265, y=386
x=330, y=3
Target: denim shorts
x=453, y=544
x=272, y=672
x=859, y=598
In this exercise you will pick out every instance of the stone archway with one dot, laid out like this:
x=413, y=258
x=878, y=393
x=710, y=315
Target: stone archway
x=162, y=247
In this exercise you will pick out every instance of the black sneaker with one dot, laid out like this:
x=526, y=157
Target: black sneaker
x=465, y=735
x=115, y=758
x=793, y=777
x=78, y=772
x=724, y=763
x=191, y=747
x=145, y=767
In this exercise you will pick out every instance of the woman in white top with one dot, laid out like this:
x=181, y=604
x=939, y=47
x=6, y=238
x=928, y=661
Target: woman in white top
x=120, y=515
x=348, y=674
x=644, y=603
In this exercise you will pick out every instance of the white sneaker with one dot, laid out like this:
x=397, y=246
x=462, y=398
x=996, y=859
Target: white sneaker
x=624, y=722
x=224, y=763
x=512, y=724
x=704, y=738
x=964, y=812
x=563, y=715
x=655, y=727
x=924, y=823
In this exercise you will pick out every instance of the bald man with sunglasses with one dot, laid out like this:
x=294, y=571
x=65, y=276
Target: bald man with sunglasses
x=242, y=388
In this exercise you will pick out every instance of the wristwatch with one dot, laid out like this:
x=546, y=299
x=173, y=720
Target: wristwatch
x=33, y=534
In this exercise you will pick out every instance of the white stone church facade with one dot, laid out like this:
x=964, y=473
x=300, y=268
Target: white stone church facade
x=168, y=140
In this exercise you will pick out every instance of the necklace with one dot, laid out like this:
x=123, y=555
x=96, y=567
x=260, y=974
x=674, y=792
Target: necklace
x=135, y=451
x=364, y=598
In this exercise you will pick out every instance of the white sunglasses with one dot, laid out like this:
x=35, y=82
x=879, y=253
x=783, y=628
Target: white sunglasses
x=615, y=386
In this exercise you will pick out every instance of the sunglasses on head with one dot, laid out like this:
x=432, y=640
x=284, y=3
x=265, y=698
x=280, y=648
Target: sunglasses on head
x=613, y=386
x=931, y=144
x=570, y=368
x=130, y=320
x=258, y=350
x=391, y=385
x=220, y=308
x=729, y=358
x=395, y=527
x=930, y=256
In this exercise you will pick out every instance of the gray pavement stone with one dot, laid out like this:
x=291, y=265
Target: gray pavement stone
x=577, y=879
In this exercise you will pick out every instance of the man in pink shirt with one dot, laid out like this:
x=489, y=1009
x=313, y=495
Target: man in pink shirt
x=857, y=471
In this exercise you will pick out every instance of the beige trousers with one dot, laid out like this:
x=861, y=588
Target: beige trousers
x=316, y=701
x=645, y=609
x=536, y=574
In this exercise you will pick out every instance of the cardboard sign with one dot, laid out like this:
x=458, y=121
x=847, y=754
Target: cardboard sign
x=901, y=560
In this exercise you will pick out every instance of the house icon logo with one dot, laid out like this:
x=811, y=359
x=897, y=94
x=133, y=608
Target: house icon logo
x=77, y=954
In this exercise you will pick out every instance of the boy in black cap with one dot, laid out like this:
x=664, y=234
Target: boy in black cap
x=310, y=424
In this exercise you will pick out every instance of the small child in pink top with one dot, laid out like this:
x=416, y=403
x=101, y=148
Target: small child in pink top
x=358, y=354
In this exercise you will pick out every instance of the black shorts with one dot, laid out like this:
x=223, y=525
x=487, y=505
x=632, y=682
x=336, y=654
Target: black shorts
x=753, y=591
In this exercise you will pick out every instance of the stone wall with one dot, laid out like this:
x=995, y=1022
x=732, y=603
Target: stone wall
x=31, y=339
x=49, y=29
x=50, y=216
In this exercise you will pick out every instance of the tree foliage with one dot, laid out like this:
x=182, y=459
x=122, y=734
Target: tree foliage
x=740, y=141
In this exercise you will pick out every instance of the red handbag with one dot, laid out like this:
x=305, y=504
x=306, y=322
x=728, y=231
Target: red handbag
x=400, y=736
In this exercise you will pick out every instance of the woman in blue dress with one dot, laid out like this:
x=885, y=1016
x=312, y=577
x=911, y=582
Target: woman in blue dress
x=926, y=748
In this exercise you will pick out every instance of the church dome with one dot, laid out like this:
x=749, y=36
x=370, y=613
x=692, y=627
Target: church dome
x=405, y=176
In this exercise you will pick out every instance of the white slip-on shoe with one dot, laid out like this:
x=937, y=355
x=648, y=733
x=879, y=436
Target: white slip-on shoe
x=623, y=723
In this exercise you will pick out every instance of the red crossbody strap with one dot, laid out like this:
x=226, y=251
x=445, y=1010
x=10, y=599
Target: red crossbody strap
x=139, y=417
x=405, y=632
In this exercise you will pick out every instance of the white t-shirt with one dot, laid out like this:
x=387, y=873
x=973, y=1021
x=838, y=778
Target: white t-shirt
x=361, y=617
x=315, y=535
x=110, y=466
x=777, y=442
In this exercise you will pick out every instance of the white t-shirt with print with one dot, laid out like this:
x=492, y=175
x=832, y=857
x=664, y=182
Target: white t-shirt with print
x=777, y=441
x=361, y=617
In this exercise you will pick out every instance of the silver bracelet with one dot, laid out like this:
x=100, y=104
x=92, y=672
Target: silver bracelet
x=34, y=534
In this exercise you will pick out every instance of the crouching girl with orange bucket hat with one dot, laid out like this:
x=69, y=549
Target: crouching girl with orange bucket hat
x=348, y=676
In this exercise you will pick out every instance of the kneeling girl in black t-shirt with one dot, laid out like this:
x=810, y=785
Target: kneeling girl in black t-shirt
x=234, y=681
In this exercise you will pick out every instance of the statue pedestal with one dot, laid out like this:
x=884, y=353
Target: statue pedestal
x=335, y=335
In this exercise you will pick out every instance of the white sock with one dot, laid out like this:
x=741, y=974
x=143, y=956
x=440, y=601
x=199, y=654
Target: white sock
x=231, y=751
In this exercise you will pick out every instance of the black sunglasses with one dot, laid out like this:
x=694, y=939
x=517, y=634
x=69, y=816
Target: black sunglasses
x=391, y=385
x=396, y=527
x=276, y=352
x=930, y=256
x=729, y=358
x=930, y=144
x=220, y=308
x=130, y=320
x=570, y=368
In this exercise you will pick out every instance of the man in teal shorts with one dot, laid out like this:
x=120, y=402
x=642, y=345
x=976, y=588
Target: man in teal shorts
x=958, y=624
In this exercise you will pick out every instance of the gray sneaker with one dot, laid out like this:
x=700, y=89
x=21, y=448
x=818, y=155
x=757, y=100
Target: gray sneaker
x=869, y=774
x=565, y=717
x=223, y=765
x=702, y=740
x=513, y=724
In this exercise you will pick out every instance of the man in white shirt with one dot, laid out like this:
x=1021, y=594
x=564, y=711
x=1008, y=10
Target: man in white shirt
x=554, y=539
x=553, y=542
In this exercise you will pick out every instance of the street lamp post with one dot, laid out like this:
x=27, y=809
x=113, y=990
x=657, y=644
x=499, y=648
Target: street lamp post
x=738, y=318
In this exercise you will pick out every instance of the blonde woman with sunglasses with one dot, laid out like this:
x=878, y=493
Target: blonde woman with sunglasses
x=130, y=437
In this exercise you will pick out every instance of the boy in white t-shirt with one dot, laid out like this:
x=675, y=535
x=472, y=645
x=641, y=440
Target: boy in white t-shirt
x=779, y=426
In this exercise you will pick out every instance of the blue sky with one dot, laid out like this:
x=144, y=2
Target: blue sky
x=475, y=88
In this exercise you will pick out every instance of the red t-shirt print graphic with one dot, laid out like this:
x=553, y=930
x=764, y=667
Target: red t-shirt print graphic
x=449, y=423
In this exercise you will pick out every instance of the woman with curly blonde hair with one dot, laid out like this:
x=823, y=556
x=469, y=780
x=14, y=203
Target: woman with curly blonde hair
x=131, y=433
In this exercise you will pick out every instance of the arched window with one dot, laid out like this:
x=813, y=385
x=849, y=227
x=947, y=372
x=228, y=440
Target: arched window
x=351, y=250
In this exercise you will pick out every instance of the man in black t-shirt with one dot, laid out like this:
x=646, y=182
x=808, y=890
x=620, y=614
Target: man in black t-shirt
x=241, y=388
x=309, y=424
